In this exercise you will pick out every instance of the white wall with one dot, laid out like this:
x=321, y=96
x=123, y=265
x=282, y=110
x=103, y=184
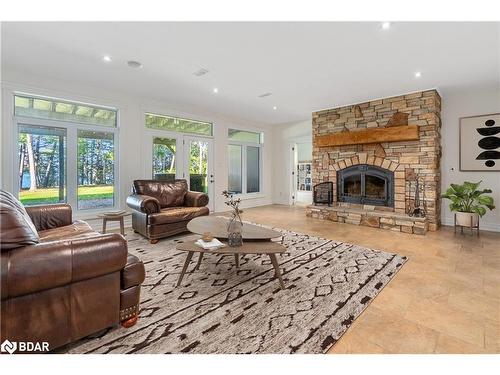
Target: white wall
x=131, y=134
x=285, y=136
x=456, y=104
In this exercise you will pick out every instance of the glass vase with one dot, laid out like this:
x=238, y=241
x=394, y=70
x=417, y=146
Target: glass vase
x=234, y=229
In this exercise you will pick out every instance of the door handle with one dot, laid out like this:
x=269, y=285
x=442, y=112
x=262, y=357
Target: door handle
x=212, y=181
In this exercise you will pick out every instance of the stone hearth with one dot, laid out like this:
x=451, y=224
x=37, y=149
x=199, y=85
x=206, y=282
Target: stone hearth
x=407, y=159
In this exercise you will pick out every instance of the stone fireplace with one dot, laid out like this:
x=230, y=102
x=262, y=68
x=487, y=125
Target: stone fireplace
x=373, y=153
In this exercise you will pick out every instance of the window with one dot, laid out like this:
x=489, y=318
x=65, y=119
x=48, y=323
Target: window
x=244, y=136
x=244, y=159
x=253, y=169
x=177, y=124
x=41, y=165
x=164, y=158
x=235, y=176
x=66, y=153
x=65, y=111
x=96, y=169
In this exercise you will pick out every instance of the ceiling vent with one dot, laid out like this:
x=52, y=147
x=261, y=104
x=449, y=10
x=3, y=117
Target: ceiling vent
x=134, y=64
x=265, y=95
x=200, y=72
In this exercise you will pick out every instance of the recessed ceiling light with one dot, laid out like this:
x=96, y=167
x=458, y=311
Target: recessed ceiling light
x=275, y=108
x=106, y=58
x=386, y=25
x=215, y=90
x=134, y=64
x=418, y=74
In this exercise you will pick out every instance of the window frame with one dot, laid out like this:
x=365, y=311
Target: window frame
x=72, y=157
x=244, y=161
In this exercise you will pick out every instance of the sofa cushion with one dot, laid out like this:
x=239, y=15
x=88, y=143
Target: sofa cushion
x=15, y=224
x=176, y=214
x=78, y=229
x=168, y=193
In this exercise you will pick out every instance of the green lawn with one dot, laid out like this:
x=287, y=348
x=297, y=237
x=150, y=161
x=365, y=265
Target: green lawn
x=51, y=195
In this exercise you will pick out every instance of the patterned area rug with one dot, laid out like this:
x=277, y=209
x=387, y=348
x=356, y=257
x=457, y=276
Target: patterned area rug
x=221, y=309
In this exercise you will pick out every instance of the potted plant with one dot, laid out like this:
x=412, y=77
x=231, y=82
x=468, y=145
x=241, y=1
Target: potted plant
x=468, y=202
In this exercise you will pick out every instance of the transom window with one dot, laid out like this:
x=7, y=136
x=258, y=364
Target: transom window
x=244, y=136
x=177, y=124
x=244, y=161
x=55, y=109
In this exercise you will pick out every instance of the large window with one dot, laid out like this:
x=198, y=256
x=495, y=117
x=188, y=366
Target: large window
x=66, y=153
x=244, y=159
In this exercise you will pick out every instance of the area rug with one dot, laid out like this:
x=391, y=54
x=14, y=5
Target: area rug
x=222, y=309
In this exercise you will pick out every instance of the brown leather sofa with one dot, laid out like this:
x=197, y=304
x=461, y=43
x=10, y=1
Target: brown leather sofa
x=163, y=208
x=60, y=280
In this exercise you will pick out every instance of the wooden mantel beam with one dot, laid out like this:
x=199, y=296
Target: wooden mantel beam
x=374, y=135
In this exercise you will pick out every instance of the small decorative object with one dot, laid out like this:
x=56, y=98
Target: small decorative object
x=207, y=236
x=235, y=225
x=480, y=143
x=468, y=203
x=214, y=244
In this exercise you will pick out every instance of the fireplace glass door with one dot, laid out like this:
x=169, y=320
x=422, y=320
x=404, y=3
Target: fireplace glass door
x=375, y=187
x=366, y=184
x=352, y=186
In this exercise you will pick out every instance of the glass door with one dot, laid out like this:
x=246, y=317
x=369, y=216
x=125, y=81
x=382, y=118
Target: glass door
x=164, y=158
x=41, y=164
x=177, y=156
x=198, y=170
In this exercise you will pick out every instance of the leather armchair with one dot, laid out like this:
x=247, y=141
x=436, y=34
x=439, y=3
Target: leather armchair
x=163, y=208
x=60, y=280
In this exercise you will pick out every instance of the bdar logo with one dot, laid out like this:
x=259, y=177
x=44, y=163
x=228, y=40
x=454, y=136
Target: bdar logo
x=8, y=346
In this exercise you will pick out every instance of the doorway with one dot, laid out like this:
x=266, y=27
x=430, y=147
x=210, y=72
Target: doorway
x=302, y=173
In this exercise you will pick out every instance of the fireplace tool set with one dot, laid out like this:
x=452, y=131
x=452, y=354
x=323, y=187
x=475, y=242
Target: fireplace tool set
x=418, y=209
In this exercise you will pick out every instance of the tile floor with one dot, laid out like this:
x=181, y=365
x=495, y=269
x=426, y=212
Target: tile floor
x=446, y=299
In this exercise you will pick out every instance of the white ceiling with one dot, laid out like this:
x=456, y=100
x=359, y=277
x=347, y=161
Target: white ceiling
x=307, y=66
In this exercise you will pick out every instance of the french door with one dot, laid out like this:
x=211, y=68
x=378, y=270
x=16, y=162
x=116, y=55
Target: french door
x=60, y=161
x=175, y=156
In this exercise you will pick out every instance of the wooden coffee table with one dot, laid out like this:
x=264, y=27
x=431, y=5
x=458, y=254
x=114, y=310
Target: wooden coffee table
x=256, y=240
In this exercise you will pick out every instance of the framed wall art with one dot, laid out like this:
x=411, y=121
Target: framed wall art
x=480, y=143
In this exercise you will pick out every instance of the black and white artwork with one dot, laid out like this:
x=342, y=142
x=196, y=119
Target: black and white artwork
x=480, y=143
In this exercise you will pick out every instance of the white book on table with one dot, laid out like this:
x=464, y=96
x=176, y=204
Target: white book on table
x=211, y=245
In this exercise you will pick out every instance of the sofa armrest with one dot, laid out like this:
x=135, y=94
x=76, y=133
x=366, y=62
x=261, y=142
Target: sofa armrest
x=53, y=264
x=133, y=273
x=195, y=199
x=143, y=203
x=50, y=216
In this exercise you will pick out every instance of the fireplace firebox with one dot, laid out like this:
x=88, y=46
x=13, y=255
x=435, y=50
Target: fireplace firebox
x=366, y=184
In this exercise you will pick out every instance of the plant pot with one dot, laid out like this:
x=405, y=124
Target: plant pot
x=465, y=219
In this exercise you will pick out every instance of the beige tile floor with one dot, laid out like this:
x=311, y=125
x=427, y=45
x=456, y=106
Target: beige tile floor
x=446, y=298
